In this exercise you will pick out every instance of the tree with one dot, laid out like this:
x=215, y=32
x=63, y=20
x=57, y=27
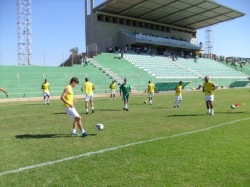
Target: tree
x=74, y=53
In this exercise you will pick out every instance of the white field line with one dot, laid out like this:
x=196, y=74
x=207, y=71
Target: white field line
x=116, y=148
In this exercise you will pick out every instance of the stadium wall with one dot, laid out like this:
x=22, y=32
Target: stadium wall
x=103, y=32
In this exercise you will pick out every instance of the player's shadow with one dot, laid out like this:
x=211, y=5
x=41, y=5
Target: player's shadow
x=231, y=112
x=59, y=113
x=40, y=136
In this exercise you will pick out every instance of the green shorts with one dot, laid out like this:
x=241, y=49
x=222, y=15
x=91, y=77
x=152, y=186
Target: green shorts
x=125, y=97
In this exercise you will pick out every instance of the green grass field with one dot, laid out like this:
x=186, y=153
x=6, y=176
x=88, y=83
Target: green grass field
x=146, y=146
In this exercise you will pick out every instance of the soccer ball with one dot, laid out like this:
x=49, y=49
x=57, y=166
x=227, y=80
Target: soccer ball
x=232, y=106
x=100, y=126
x=145, y=102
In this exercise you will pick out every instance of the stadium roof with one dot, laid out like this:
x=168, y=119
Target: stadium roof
x=191, y=14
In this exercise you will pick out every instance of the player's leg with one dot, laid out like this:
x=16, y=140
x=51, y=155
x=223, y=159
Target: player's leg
x=208, y=107
x=113, y=94
x=211, y=107
x=91, y=100
x=48, y=98
x=176, y=101
x=73, y=133
x=86, y=104
x=126, y=102
x=44, y=98
x=80, y=126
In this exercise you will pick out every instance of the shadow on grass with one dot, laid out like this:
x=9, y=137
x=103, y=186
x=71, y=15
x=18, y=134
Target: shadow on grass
x=39, y=136
x=59, y=113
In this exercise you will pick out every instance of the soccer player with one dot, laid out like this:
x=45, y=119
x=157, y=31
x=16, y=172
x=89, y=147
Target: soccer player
x=208, y=89
x=68, y=97
x=178, y=95
x=125, y=90
x=46, y=87
x=4, y=91
x=112, y=90
x=151, y=91
x=88, y=87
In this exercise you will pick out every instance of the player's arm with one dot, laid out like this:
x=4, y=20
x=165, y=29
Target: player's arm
x=65, y=92
x=82, y=88
x=93, y=87
x=213, y=88
x=4, y=91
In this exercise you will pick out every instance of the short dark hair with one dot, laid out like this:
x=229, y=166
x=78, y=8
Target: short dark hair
x=74, y=79
x=86, y=79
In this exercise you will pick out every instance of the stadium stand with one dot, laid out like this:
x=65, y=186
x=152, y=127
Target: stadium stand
x=26, y=81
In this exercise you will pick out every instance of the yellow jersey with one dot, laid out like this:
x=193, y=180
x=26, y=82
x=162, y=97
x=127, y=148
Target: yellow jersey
x=208, y=88
x=69, y=97
x=112, y=86
x=45, y=87
x=88, y=87
x=151, y=88
x=178, y=90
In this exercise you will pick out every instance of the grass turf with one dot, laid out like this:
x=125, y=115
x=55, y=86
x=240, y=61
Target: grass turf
x=32, y=133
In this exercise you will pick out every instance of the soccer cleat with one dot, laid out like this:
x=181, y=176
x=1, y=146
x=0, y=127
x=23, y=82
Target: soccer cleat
x=84, y=134
x=86, y=113
x=93, y=111
x=177, y=106
x=74, y=134
x=126, y=109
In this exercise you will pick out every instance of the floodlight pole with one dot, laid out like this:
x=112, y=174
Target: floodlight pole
x=24, y=32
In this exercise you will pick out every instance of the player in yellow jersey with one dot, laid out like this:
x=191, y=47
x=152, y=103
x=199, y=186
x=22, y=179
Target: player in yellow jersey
x=112, y=90
x=208, y=89
x=46, y=95
x=178, y=95
x=67, y=97
x=4, y=91
x=88, y=87
x=151, y=92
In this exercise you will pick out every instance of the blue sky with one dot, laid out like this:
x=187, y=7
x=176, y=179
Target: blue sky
x=58, y=26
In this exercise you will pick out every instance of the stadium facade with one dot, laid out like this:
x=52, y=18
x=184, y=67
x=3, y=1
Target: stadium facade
x=152, y=26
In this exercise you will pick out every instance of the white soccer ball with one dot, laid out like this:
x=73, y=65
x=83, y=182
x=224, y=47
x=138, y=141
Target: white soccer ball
x=100, y=126
x=232, y=106
x=145, y=102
